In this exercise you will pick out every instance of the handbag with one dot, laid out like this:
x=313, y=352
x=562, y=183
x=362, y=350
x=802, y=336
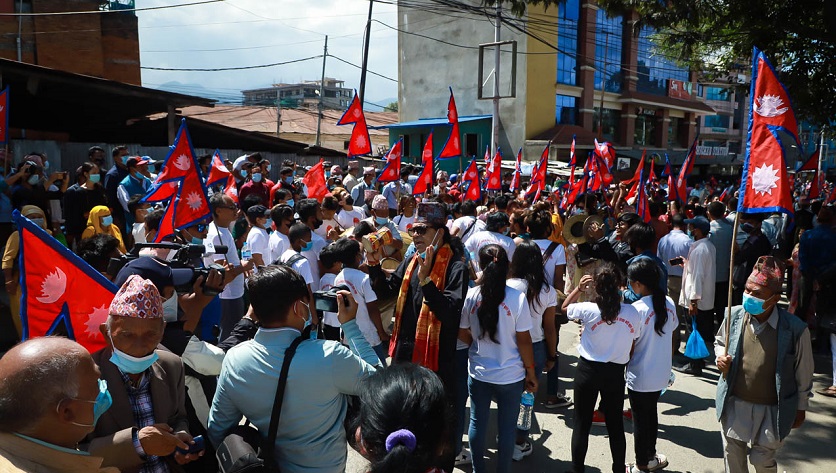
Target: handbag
x=242, y=449
x=695, y=348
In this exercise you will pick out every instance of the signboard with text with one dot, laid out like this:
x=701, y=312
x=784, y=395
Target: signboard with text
x=678, y=89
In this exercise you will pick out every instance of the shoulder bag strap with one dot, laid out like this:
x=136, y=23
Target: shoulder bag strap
x=549, y=251
x=277, y=402
x=470, y=227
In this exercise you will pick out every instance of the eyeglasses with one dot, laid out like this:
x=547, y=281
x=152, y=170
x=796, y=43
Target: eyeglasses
x=230, y=207
x=201, y=227
x=421, y=230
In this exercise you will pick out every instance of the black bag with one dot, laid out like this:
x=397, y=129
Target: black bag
x=242, y=449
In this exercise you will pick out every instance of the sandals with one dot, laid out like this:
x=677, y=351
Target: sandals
x=828, y=392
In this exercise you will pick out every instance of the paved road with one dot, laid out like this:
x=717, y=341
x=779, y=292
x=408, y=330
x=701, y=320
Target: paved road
x=688, y=432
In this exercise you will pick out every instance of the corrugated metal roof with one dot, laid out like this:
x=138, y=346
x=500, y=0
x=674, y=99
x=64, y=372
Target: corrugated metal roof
x=432, y=122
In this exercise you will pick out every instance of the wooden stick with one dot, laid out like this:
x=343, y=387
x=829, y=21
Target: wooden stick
x=731, y=274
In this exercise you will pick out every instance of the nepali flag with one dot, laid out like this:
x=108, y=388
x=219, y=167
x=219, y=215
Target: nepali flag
x=685, y=171
x=360, y=144
x=425, y=179
x=516, y=180
x=651, y=176
x=538, y=174
x=494, y=174
x=606, y=151
x=392, y=170
x=815, y=186
x=60, y=293
x=832, y=197
x=218, y=173
x=4, y=116
x=812, y=163
x=487, y=156
x=230, y=189
x=764, y=186
x=453, y=146
x=471, y=177
x=642, y=205
x=637, y=178
x=315, y=182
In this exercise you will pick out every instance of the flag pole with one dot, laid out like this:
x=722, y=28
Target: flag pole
x=731, y=274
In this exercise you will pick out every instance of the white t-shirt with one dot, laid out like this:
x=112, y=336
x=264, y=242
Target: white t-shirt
x=462, y=223
x=484, y=237
x=601, y=341
x=360, y=286
x=235, y=288
x=302, y=266
x=490, y=362
x=313, y=258
x=548, y=298
x=326, y=227
x=138, y=232
x=278, y=244
x=557, y=258
x=404, y=223
x=259, y=242
x=326, y=282
x=650, y=367
x=349, y=218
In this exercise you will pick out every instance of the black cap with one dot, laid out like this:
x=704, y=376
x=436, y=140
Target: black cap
x=701, y=223
x=629, y=217
x=158, y=272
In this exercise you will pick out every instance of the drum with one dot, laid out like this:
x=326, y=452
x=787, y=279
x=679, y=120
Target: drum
x=389, y=265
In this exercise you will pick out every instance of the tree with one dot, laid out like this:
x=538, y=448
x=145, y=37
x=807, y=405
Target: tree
x=392, y=107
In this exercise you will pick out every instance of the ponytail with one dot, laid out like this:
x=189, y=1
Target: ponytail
x=494, y=264
x=646, y=271
x=608, y=278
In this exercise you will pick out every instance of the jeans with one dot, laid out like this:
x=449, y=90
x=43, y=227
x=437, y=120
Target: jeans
x=551, y=375
x=382, y=352
x=592, y=378
x=461, y=397
x=645, y=424
x=539, y=365
x=508, y=408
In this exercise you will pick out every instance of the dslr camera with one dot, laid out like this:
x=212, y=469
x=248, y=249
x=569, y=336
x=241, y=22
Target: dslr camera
x=326, y=301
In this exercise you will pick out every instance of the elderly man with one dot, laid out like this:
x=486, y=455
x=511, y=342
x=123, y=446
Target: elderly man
x=50, y=398
x=148, y=420
x=358, y=193
x=767, y=366
x=352, y=177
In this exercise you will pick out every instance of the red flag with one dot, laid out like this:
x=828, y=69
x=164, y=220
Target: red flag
x=637, y=177
x=652, y=174
x=832, y=197
x=4, y=116
x=471, y=176
x=515, y=180
x=606, y=151
x=684, y=172
x=59, y=288
x=764, y=184
x=392, y=170
x=642, y=205
x=812, y=163
x=166, y=224
x=231, y=189
x=815, y=188
x=217, y=172
x=425, y=179
x=191, y=203
x=315, y=180
x=360, y=143
x=453, y=147
x=487, y=156
x=493, y=176
x=180, y=160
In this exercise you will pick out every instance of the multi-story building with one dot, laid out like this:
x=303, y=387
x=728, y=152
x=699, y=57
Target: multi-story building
x=722, y=135
x=102, y=45
x=302, y=95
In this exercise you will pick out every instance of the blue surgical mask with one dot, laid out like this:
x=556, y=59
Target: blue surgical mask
x=289, y=179
x=690, y=234
x=34, y=179
x=256, y=177
x=291, y=203
x=752, y=304
x=381, y=220
x=125, y=159
x=507, y=230
x=107, y=221
x=327, y=174
x=95, y=178
x=268, y=224
x=197, y=241
x=269, y=167
x=308, y=321
x=244, y=173
x=130, y=364
x=39, y=222
x=307, y=246
x=100, y=405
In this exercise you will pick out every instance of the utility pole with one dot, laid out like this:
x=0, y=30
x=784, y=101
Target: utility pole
x=278, y=112
x=20, y=31
x=495, y=118
x=366, y=55
x=321, y=93
x=603, y=87
x=821, y=149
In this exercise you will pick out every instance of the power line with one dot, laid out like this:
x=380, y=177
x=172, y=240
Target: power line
x=217, y=69
x=88, y=12
x=358, y=67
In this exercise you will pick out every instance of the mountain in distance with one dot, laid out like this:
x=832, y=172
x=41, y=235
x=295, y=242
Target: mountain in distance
x=225, y=97
x=382, y=102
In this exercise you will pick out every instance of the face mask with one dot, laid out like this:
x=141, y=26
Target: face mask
x=125, y=159
x=130, y=364
x=289, y=179
x=307, y=246
x=507, y=230
x=244, y=173
x=747, y=227
x=268, y=224
x=257, y=177
x=100, y=405
x=149, y=210
x=327, y=174
x=381, y=220
x=309, y=318
x=170, y=308
x=107, y=221
x=291, y=203
x=39, y=222
x=269, y=167
x=95, y=178
x=197, y=241
x=46, y=164
x=34, y=179
x=752, y=304
x=690, y=234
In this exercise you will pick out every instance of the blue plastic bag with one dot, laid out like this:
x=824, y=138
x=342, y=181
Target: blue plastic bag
x=695, y=348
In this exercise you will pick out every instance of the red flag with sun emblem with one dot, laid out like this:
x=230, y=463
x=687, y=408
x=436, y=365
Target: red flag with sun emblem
x=516, y=179
x=4, y=116
x=60, y=293
x=424, y=182
x=315, y=180
x=360, y=143
x=453, y=147
x=230, y=189
x=764, y=185
x=392, y=170
x=493, y=176
x=474, y=188
x=218, y=173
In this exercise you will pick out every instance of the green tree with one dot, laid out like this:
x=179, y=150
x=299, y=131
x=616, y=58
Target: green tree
x=392, y=107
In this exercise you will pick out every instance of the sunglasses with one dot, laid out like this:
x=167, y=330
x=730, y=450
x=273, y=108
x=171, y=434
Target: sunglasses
x=201, y=227
x=420, y=230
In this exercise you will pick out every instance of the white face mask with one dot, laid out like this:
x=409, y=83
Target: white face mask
x=170, y=309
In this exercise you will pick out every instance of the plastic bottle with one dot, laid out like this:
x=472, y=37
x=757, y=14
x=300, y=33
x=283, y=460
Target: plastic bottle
x=526, y=407
x=246, y=252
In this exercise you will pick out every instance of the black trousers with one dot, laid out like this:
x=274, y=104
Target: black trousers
x=721, y=300
x=331, y=333
x=645, y=424
x=607, y=379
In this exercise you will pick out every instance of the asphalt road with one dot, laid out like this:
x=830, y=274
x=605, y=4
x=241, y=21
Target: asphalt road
x=688, y=430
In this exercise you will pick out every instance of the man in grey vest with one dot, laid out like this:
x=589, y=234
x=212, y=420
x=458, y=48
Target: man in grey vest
x=767, y=373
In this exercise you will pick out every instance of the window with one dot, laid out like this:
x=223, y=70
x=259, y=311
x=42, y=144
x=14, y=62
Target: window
x=471, y=144
x=738, y=119
x=608, y=52
x=645, y=134
x=566, y=110
x=721, y=94
x=405, y=149
x=654, y=70
x=673, y=132
x=716, y=121
x=567, y=42
x=610, y=123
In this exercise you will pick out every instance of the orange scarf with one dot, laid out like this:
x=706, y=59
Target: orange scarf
x=428, y=329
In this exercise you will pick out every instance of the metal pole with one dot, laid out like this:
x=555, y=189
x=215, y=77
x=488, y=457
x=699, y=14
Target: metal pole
x=603, y=87
x=278, y=112
x=19, y=32
x=821, y=149
x=366, y=55
x=495, y=117
x=731, y=277
x=321, y=93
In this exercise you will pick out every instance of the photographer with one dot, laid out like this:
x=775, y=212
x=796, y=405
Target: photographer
x=322, y=375
x=33, y=188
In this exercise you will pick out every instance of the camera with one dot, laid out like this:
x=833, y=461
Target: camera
x=326, y=301
x=33, y=168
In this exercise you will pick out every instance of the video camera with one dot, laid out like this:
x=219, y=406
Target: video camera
x=182, y=258
x=326, y=301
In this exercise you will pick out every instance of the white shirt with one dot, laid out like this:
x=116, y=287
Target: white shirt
x=650, y=366
x=673, y=245
x=326, y=227
x=313, y=258
x=350, y=181
x=699, y=276
x=278, y=244
x=491, y=362
x=326, y=282
x=360, y=286
x=138, y=232
x=222, y=236
x=484, y=237
x=349, y=218
x=462, y=223
x=557, y=258
x=548, y=298
x=259, y=242
x=603, y=342
x=302, y=266
x=404, y=223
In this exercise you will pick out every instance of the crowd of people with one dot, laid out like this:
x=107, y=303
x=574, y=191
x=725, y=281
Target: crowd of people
x=435, y=302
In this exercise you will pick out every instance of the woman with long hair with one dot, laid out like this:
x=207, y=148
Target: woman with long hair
x=80, y=198
x=609, y=329
x=496, y=320
x=528, y=276
x=648, y=371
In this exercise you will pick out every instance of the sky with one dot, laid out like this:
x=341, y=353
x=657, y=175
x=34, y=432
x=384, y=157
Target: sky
x=236, y=33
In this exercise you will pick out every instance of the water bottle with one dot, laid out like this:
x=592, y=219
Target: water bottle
x=526, y=408
x=246, y=252
x=671, y=379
